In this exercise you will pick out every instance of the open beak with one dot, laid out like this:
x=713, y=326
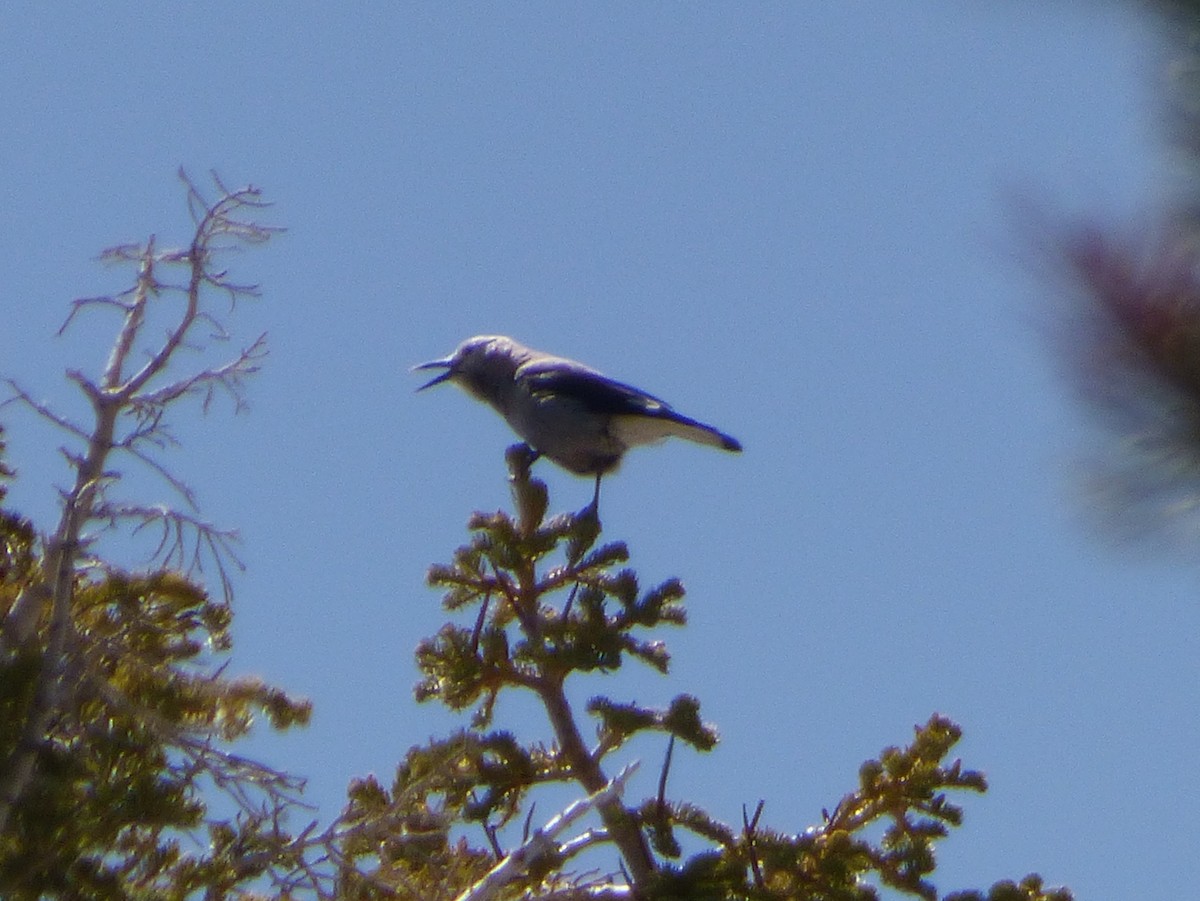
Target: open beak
x=441, y=377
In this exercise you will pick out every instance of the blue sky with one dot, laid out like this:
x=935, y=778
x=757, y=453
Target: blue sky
x=795, y=221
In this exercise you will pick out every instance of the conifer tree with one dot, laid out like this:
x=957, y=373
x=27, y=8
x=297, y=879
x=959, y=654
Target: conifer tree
x=542, y=600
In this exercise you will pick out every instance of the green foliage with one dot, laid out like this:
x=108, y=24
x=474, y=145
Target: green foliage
x=123, y=774
x=400, y=840
x=1028, y=889
x=521, y=639
x=905, y=788
x=6, y=473
x=549, y=602
x=17, y=539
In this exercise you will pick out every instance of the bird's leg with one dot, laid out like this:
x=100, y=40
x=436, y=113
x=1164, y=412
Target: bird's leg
x=596, y=498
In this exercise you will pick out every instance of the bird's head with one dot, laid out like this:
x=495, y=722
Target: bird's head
x=478, y=364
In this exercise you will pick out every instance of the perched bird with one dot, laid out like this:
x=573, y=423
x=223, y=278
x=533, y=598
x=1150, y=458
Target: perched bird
x=579, y=418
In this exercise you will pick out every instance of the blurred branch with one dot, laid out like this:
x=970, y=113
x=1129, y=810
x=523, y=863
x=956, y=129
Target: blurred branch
x=1131, y=344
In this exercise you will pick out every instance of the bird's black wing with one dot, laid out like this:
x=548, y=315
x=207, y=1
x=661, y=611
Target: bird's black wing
x=596, y=392
x=600, y=394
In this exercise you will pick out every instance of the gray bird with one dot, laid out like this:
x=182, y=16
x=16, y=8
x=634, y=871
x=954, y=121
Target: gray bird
x=579, y=418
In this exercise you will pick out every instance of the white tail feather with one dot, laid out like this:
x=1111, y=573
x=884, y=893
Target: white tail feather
x=634, y=430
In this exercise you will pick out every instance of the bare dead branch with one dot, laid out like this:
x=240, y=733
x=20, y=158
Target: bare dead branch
x=19, y=622
x=20, y=395
x=227, y=376
x=571, y=847
x=86, y=385
x=600, y=892
x=84, y=302
x=179, y=485
x=489, y=830
x=186, y=541
x=183, y=538
x=542, y=842
x=662, y=776
x=135, y=316
x=525, y=827
x=750, y=832
x=218, y=332
x=121, y=253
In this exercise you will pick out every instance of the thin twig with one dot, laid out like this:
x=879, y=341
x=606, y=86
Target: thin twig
x=750, y=829
x=662, y=776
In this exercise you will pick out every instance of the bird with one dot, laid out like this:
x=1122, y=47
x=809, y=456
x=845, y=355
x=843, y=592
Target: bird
x=563, y=410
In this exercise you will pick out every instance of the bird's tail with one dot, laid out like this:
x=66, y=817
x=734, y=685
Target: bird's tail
x=650, y=429
x=706, y=434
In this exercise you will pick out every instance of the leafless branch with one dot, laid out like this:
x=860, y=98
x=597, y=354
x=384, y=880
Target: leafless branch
x=125, y=390
x=185, y=541
x=600, y=891
x=181, y=487
x=228, y=376
x=542, y=842
x=662, y=776
x=750, y=832
x=20, y=395
x=83, y=303
x=582, y=842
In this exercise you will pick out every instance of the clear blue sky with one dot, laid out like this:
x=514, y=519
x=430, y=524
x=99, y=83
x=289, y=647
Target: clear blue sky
x=795, y=221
